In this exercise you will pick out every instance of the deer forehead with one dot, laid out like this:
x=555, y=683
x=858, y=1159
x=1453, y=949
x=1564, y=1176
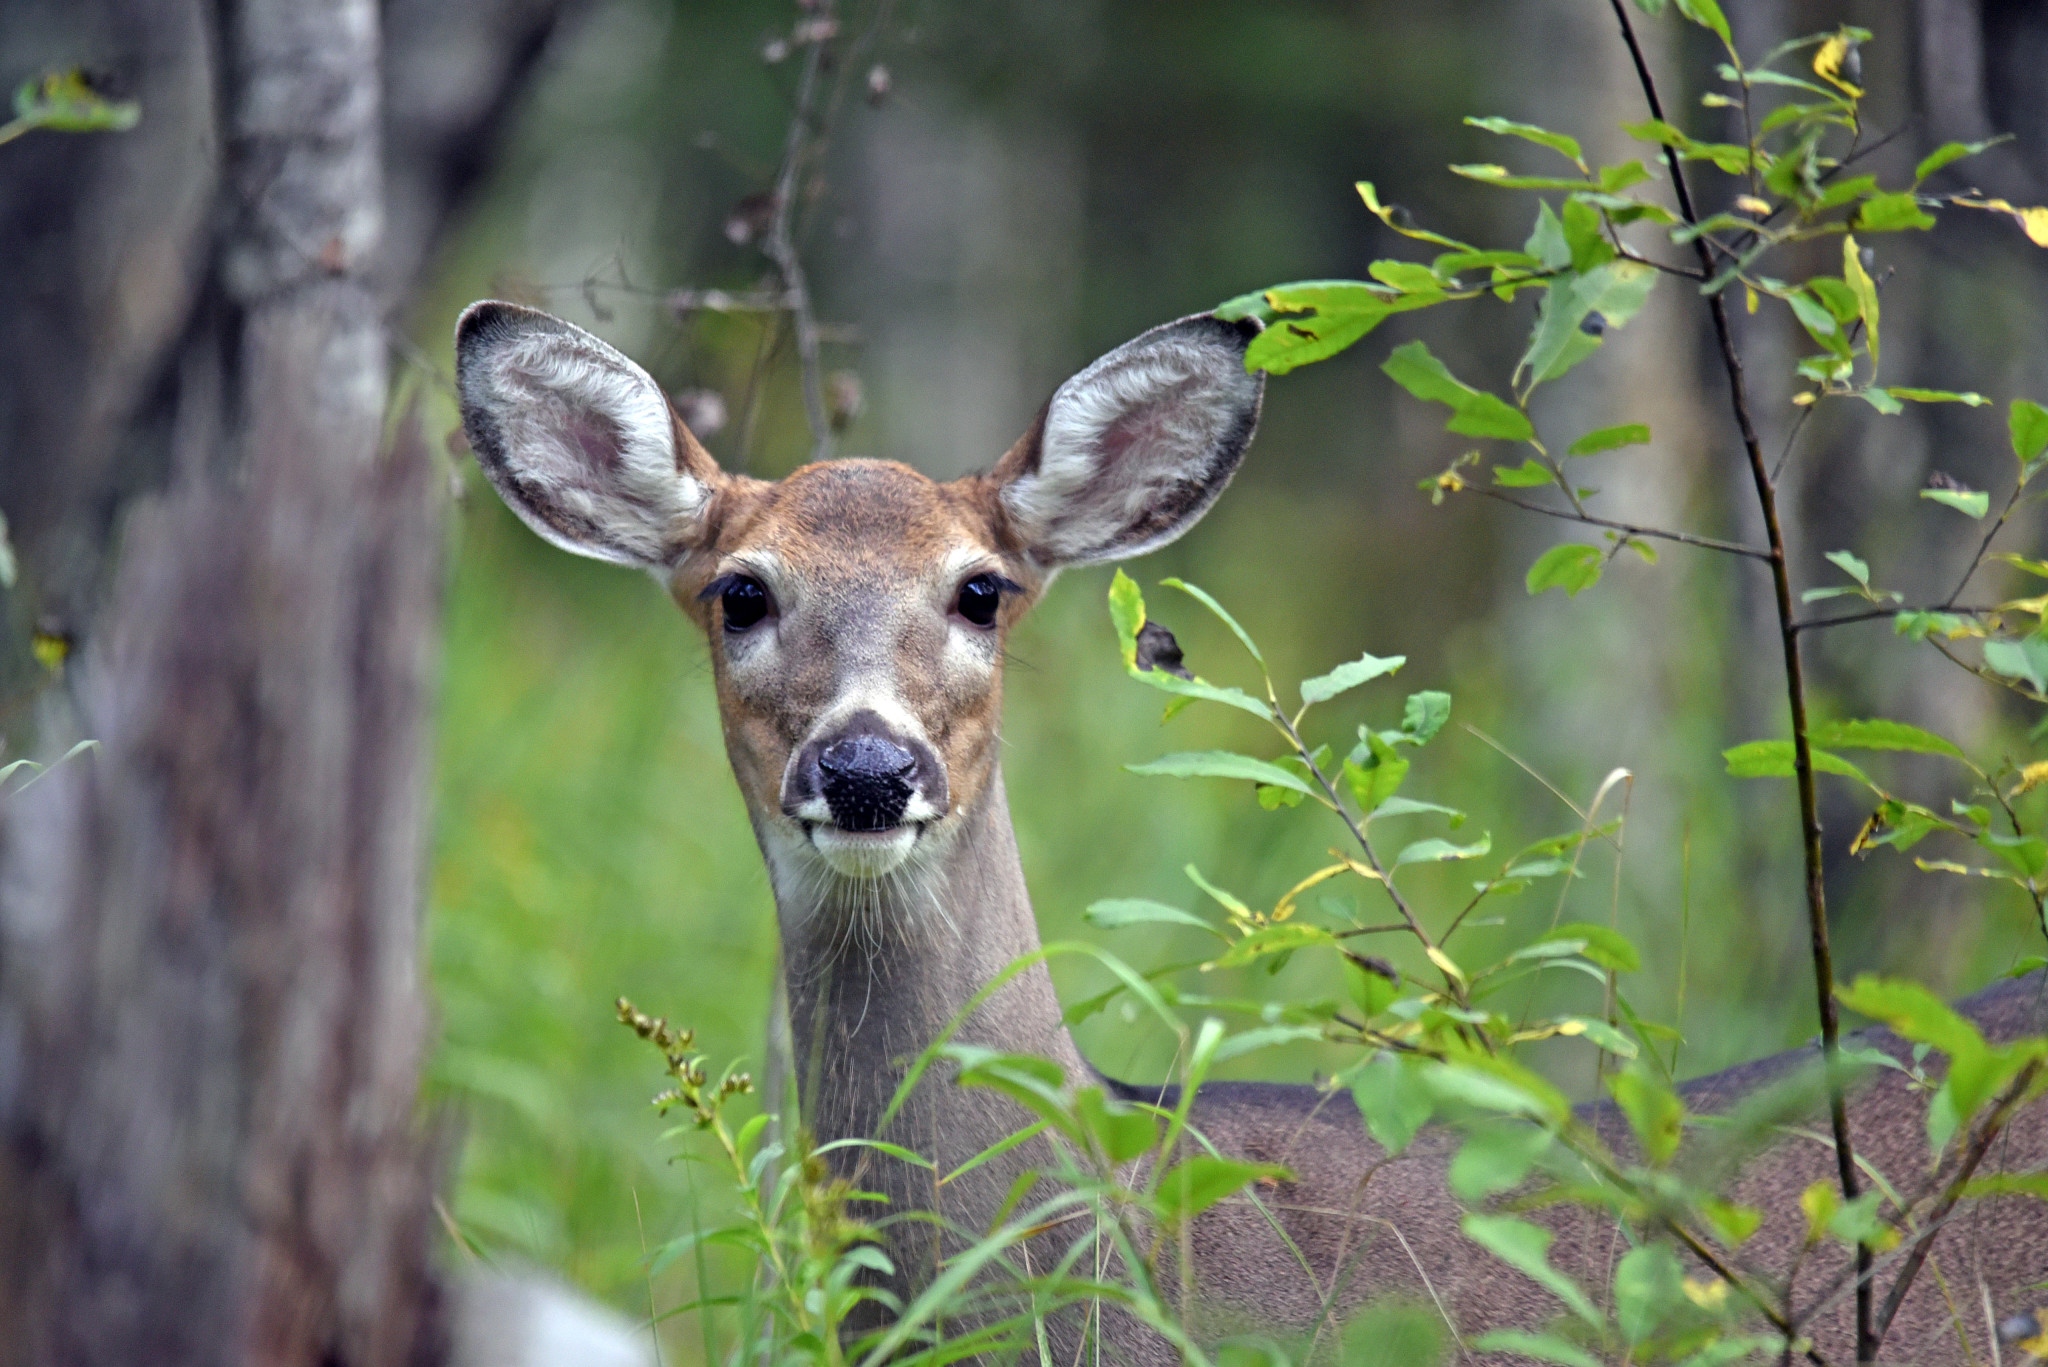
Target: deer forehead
x=850, y=532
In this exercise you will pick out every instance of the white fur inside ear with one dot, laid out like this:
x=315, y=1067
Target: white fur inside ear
x=1137, y=446
x=578, y=439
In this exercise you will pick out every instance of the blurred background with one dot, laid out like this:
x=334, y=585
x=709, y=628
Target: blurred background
x=1007, y=191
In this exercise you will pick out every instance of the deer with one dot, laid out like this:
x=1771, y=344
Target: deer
x=856, y=613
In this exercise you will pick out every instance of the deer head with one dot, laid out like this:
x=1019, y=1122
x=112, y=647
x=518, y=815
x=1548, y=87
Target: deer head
x=856, y=610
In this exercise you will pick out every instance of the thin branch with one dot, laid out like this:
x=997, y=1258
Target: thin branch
x=1629, y=254
x=1795, y=688
x=1628, y=528
x=1778, y=470
x=2011, y=502
x=1876, y=614
x=1357, y=829
x=780, y=244
x=1980, y=1144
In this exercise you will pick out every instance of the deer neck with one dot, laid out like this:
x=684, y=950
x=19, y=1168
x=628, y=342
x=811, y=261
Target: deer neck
x=879, y=969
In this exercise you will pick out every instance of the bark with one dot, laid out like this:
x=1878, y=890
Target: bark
x=211, y=1010
x=109, y=242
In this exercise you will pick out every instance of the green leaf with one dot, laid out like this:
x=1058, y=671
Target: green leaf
x=1492, y=173
x=1571, y=567
x=1195, y=1184
x=1115, y=913
x=1605, y=945
x=1474, y=413
x=1496, y=1157
x=1948, y=152
x=1973, y=400
x=1556, y=142
x=1122, y=1132
x=1345, y=677
x=1374, y=782
x=1648, y=1286
x=65, y=102
x=1221, y=614
x=1439, y=851
x=1266, y=941
x=1339, y=312
x=1424, y=714
x=2025, y=658
x=1707, y=15
x=1914, y=1013
x=1865, y=289
x=1530, y=474
x=1586, y=235
x=1525, y=1246
x=1891, y=213
x=2029, y=424
x=1615, y=291
x=1773, y=759
x=1816, y=318
x=1127, y=612
x=1394, y=1101
x=1611, y=439
x=1881, y=733
x=1520, y=1342
x=1546, y=240
x=1221, y=764
x=1851, y=565
x=1730, y=157
x=1971, y=502
x=1409, y=277
x=1404, y=806
x=1654, y=1111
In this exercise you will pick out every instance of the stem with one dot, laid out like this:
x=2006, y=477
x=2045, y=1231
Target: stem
x=2011, y=502
x=1795, y=690
x=1357, y=829
x=1980, y=1144
x=1877, y=614
x=781, y=244
x=1628, y=528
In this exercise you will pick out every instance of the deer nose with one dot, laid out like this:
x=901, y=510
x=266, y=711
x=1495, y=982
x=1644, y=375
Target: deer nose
x=865, y=780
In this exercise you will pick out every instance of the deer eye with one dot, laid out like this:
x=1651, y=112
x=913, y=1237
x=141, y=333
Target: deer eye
x=744, y=603
x=979, y=599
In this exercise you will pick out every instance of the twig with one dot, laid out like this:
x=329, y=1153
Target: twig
x=1795, y=688
x=780, y=244
x=1627, y=528
x=1875, y=614
x=2011, y=502
x=1980, y=1144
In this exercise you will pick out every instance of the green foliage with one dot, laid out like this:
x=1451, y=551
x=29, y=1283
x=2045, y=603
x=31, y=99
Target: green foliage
x=65, y=102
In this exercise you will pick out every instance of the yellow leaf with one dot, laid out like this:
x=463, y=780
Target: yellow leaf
x=2033, y=221
x=1827, y=63
x=2031, y=777
x=1709, y=1294
x=1284, y=908
x=1749, y=298
x=2037, y=606
x=1444, y=961
x=1750, y=204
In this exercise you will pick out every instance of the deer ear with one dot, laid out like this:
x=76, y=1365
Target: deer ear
x=579, y=441
x=1132, y=451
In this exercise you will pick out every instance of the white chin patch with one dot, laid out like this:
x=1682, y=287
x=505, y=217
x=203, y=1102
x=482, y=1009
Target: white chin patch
x=863, y=854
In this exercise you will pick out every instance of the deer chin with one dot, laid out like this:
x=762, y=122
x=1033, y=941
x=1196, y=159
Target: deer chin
x=864, y=854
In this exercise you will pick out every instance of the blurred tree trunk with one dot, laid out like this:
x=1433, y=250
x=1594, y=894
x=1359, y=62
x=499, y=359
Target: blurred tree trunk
x=212, y=1017
x=109, y=242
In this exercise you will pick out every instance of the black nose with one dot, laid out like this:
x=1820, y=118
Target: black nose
x=866, y=781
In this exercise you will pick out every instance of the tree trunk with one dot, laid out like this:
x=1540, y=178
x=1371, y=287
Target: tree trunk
x=211, y=1011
